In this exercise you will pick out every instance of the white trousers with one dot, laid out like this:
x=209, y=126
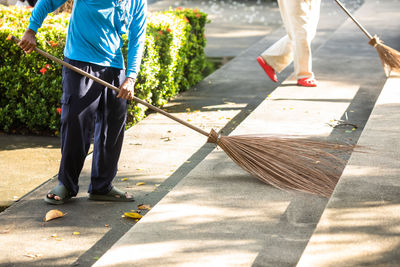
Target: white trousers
x=300, y=18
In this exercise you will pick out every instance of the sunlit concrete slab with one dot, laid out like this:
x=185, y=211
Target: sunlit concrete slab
x=360, y=225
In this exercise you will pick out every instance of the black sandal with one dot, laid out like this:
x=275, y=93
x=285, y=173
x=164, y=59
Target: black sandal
x=115, y=194
x=61, y=191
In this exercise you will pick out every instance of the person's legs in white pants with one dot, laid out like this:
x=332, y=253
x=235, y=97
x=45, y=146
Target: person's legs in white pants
x=300, y=18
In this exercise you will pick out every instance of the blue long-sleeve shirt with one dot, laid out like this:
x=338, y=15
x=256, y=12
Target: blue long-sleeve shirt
x=95, y=30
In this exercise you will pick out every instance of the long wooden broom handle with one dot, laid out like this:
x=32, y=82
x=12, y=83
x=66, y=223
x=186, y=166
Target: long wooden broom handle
x=355, y=21
x=108, y=85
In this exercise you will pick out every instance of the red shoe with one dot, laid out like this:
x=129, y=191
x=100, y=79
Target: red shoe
x=307, y=82
x=268, y=69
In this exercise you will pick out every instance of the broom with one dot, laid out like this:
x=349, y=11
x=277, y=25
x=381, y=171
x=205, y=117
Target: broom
x=284, y=162
x=390, y=58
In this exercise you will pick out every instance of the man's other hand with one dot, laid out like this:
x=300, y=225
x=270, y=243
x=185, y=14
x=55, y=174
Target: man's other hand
x=127, y=89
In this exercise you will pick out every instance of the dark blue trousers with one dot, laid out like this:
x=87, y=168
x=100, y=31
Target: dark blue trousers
x=91, y=110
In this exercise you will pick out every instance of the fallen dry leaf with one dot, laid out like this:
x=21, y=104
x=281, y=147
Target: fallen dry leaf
x=144, y=207
x=76, y=233
x=6, y=231
x=56, y=237
x=53, y=214
x=140, y=183
x=32, y=255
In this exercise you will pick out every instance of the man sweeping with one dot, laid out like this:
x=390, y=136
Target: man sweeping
x=300, y=18
x=93, y=44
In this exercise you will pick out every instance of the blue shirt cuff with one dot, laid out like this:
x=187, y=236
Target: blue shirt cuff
x=131, y=75
x=33, y=26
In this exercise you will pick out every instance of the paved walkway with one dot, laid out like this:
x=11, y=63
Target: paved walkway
x=208, y=212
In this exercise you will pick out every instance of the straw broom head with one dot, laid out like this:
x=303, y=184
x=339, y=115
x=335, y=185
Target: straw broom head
x=286, y=163
x=390, y=58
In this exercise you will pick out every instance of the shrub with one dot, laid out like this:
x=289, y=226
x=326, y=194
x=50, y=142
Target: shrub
x=30, y=85
x=195, y=60
x=173, y=59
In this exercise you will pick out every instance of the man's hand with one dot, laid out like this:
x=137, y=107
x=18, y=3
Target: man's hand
x=28, y=41
x=127, y=89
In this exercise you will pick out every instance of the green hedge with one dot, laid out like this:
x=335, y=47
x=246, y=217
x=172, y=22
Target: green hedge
x=30, y=85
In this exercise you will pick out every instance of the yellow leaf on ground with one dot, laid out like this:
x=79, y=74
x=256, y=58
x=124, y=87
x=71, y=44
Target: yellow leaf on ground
x=140, y=183
x=53, y=214
x=76, y=233
x=133, y=215
x=124, y=179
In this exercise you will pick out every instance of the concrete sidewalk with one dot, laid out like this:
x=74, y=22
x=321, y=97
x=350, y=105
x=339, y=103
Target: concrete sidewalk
x=217, y=215
x=360, y=225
